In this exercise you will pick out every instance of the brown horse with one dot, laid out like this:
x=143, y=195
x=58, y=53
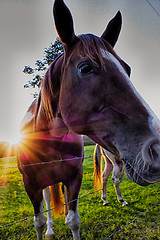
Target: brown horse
x=50, y=153
x=100, y=179
x=97, y=98
x=86, y=91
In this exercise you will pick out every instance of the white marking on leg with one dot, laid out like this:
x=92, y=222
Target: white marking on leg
x=124, y=203
x=106, y=173
x=47, y=198
x=116, y=176
x=105, y=176
x=40, y=223
x=73, y=222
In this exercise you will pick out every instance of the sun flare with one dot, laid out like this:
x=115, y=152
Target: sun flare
x=15, y=139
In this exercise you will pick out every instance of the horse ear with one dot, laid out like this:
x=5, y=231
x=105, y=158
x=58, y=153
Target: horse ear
x=113, y=29
x=64, y=22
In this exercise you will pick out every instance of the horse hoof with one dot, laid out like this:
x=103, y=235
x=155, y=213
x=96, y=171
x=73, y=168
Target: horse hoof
x=124, y=204
x=105, y=204
x=49, y=236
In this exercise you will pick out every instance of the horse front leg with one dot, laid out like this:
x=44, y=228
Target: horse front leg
x=40, y=222
x=119, y=195
x=47, y=198
x=73, y=222
x=73, y=218
x=117, y=178
x=65, y=192
x=36, y=198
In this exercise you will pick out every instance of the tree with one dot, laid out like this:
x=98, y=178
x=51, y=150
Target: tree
x=38, y=72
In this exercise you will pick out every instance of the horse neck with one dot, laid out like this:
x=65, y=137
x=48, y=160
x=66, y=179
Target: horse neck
x=54, y=126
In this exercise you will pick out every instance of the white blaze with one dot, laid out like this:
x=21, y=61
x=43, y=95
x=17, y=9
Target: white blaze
x=154, y=122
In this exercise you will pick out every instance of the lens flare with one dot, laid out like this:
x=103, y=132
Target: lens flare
x=15, y=139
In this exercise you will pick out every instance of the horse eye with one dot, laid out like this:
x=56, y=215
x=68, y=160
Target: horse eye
x=85, y=68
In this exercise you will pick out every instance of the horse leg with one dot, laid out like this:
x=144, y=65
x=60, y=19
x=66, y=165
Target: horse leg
x=36, y=198
x=73, y=221
x=117, y=178
x=65, y=192
x=40, y=222
x=47, y=198
x=105, y=175
x=73, y=218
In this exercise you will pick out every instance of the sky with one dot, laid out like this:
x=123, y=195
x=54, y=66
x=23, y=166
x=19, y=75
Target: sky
x=27, y=27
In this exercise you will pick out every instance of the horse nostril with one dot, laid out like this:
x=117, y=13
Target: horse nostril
x=153, y=153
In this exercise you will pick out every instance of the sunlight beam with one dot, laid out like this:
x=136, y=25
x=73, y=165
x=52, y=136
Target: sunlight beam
x=15, y=139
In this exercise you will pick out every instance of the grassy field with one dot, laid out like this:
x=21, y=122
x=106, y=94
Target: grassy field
x=97, y=222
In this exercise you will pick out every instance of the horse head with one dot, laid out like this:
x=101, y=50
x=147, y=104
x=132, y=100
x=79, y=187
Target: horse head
x=97, y=98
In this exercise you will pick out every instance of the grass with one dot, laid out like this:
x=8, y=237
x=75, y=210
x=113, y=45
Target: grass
x=97, y=221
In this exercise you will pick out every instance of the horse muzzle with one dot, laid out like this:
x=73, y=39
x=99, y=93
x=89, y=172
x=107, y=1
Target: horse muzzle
x=145, y=169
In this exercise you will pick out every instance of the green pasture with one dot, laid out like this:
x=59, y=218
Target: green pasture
x=97, y=222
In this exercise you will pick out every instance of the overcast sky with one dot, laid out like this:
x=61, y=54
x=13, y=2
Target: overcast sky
x=26, y=28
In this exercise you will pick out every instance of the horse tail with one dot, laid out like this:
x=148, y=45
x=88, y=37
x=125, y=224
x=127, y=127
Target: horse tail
x=97, y=167
x=57, y=199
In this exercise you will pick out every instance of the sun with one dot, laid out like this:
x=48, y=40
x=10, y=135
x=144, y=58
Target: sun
x=14, y=140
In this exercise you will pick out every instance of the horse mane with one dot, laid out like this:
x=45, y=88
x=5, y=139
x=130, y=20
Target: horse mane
x=50, y=88
x=90, y=47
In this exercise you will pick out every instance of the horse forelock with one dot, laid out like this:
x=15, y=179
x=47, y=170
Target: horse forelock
x=91, y=45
